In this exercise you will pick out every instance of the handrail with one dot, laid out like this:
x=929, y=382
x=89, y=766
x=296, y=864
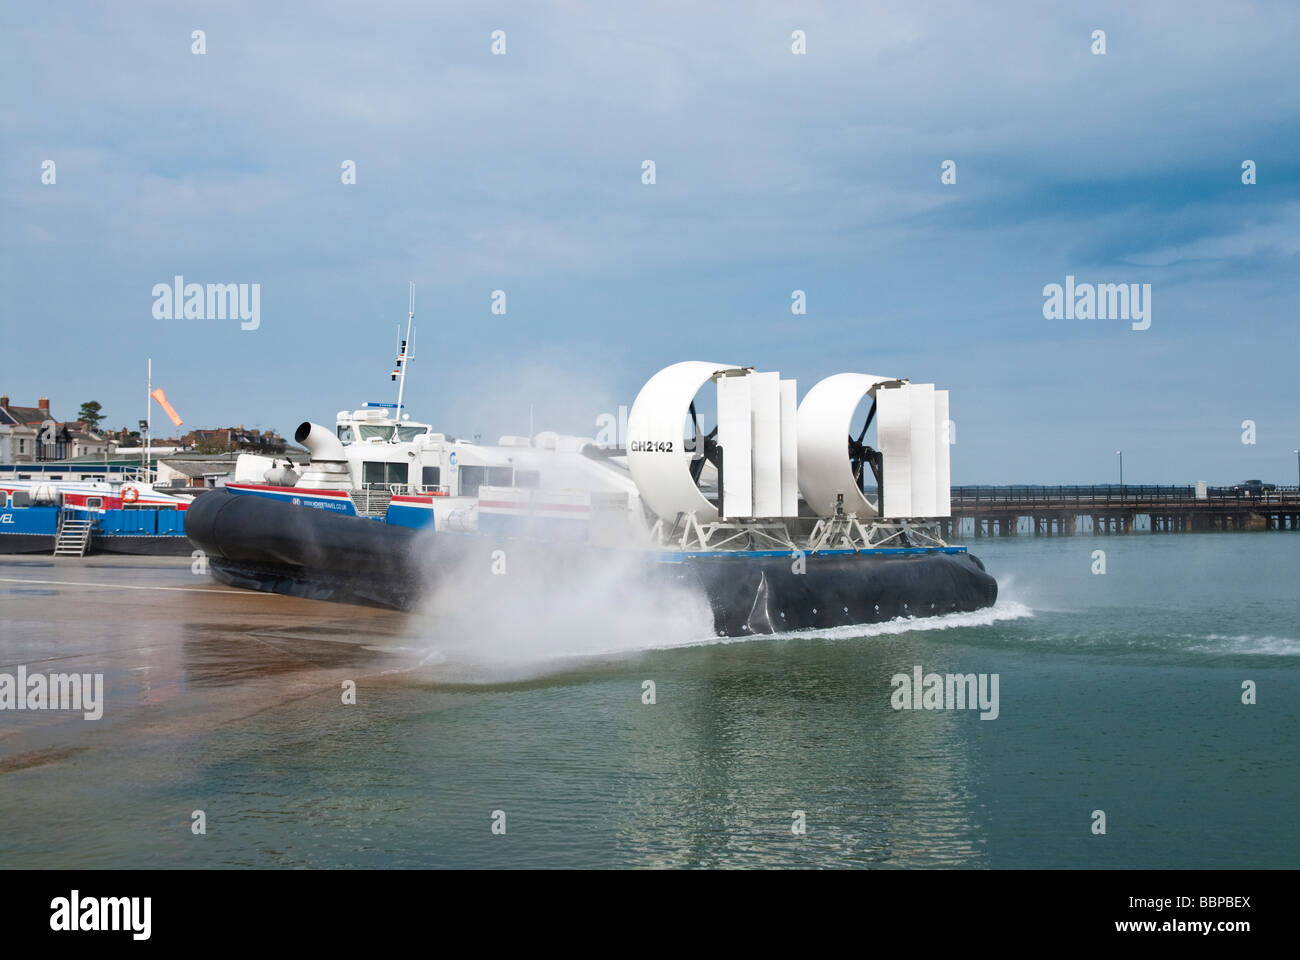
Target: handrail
x=425, y=489
x=431, y=489
x=1115, y=494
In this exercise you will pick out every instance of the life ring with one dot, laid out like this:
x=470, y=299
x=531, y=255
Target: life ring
x=130, y=494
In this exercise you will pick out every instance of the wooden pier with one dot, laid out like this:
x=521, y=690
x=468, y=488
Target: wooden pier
x=1061, y=511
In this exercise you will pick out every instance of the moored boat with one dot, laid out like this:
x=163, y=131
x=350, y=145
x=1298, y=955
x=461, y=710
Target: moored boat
x=120, y=515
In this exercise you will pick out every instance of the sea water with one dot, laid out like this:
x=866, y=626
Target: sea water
x=1148, y=716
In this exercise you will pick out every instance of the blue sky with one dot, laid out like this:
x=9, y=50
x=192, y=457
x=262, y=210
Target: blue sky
x=775, y=172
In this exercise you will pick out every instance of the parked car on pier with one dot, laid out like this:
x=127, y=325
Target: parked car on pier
x=1253, y=488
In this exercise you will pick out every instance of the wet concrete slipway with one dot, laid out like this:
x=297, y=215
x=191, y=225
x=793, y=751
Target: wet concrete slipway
x=181, y=657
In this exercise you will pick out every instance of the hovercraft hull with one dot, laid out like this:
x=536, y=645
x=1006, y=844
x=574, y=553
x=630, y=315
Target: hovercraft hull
x=266, y=545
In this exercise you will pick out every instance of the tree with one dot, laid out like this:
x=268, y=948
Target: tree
x=90, y=413
x=212, y=445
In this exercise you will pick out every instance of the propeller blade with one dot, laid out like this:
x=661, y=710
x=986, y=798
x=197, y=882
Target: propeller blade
x=870, y=416
x=874, y=460
x=712, y=451
x=705, y=449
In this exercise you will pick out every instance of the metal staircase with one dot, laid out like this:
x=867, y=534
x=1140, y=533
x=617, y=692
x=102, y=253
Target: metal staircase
x=73, y=537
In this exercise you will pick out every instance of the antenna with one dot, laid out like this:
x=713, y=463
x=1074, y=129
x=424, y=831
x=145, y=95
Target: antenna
x=405, y=352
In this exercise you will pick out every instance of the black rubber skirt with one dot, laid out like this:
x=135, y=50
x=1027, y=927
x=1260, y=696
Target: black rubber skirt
x=264, y=544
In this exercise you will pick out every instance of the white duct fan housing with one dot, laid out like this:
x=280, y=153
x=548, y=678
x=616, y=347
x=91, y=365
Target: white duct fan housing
x=755, y=433
x=770, y=450
x=912, y=440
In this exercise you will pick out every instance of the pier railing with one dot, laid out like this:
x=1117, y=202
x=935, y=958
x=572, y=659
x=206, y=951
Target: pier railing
x=1114, y=495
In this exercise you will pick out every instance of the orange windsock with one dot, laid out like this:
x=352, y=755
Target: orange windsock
x=167, y=407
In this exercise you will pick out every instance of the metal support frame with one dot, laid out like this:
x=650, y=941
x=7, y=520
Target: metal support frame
x=758, y=534
x=912, y=533
x=839, y=533
x=850, y=533
x=829, y=533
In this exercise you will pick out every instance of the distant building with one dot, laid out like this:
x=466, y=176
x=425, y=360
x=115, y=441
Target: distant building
x=17, y=440
x=235, y=439
x=32, y=435
x=196, y=470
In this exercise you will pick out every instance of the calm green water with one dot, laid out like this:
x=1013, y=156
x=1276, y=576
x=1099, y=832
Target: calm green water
x=1119, y=692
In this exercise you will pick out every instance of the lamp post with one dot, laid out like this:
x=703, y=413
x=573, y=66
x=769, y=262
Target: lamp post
x=1120, y=454
x=1297, y=468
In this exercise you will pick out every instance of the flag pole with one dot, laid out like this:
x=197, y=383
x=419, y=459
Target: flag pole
x=148, y=428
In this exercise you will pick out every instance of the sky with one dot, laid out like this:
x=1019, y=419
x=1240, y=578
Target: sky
x=774, y=172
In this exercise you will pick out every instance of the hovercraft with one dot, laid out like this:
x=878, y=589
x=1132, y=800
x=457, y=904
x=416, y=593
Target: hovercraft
x=778, y=517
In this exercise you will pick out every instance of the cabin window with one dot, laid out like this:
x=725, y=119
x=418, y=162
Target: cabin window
x=383, y=473
x=430, y=476
x=372, y=432
x=94, y=503
x=528, y=478
x=407, y=434
x=471, y=478
x=345, y=434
